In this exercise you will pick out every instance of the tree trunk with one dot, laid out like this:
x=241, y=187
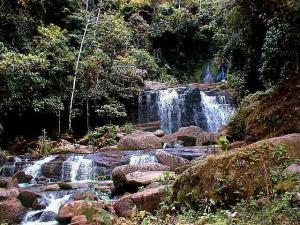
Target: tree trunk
x=87, y=115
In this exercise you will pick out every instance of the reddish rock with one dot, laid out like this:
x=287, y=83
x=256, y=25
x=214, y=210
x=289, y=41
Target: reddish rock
x=21, y=177
x=67, y=147
x=84, y=195
x=8, y=182
x=8, y=193
x=140, y=140
x=109, y=148
x=237, y=144
x=143, y=178
x=52, y=187
x=12, y=210
x=294, y=168
x=170, y=160
x=206, y=138
x=79, y=220
x=159, y=133
x=147, y=200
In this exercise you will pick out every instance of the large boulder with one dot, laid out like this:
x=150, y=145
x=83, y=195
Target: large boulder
x=12, y=210
x=28, y=197
x=78, y=208
x=147, y=200
x=237, y=174
x=139, y=140
x=139, y=179
x=40, y=203
x=206, y=138
x=67, y=147
x=8, y=193
x=53, y=169
x=21, y=177
x=120, y=172
x=170, y=160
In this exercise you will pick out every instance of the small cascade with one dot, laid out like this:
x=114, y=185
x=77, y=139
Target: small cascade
x=217, y=111
x=48, y=215
x=208, y=79
x=35, y=169
x=78, y=168
x=141, y=159
x=169, y=104
x=10, y=168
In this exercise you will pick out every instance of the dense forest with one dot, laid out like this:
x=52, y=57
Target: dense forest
x=150, y=112
x=108, y=48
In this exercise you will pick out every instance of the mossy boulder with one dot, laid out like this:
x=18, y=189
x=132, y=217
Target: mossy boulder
x=268, y=114
x=242, y=173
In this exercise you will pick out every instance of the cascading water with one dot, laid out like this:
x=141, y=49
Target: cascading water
x=169, y=104
x=35, y=169
x=43, y=216
x=10, y=168
x=78, y=168
x=216, y=110
x=141, y=159
x=208, y=79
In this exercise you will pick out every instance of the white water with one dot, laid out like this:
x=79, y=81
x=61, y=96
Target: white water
x=217, y=113
x=208, y=76
x=80, y=168
x=169, y=110
x=141, y=159
x=35, y=169
x=54, y=205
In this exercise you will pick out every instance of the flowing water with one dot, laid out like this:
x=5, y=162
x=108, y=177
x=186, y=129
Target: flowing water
x=217, y=111
x=35, y=169
x=208, y=79
x=141, y=159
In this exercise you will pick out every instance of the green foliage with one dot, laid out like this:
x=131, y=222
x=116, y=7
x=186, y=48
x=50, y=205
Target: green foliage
x=223, y=141
x=128, y=128
x=165, y=178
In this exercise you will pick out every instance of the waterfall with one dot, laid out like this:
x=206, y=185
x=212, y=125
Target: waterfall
x=141, y=159
x=169, y=104
x=39, y=216
x=35, y=169
x=10, y=168
x=208, y=79
x=78, y=168
x=216, y=110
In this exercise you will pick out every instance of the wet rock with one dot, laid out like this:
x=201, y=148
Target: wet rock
x=242, y=168
x=139, y=179
x=65, y=186
x=109, y=148
x=79, y=220
x=8, y=182
x=67, y=147
x=170, y=160
x=22, y=177
x=140, y=140
x=40, y=203
x=48, y=216
x=77, y=208
x=28, y=197
x=294, y=168
x=52, y=187
x=53, y=169
x=159, y=133
x=12, y=210
x=84, y=195
x=147, y=200
x=8, y=193
x=120, y=172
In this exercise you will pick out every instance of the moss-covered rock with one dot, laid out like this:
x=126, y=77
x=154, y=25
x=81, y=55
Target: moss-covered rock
x=241, y=173
x=268, y=114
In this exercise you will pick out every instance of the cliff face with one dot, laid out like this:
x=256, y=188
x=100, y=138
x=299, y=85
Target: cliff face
x=268, y=114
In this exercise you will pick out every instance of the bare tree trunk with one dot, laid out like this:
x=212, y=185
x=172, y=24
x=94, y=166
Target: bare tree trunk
x=76, y=71
x=59, y=122
x=87, y=115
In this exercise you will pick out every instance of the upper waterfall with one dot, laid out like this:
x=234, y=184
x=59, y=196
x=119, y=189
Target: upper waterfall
x=184, y=106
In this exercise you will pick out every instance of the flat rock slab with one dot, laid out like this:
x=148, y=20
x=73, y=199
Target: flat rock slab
x=144, y=178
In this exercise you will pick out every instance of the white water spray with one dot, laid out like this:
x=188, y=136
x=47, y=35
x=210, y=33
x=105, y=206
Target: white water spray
x=35, y=169
x=141, y=159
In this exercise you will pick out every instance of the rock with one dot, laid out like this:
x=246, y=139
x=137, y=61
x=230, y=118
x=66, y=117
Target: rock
x=109, y=148
x=8, y=193
x=147, y=200
x=139, y=179
x=79, y=220
x=237, y=144
x=154, y=85
x=119, y=136
x=65, y=186
x=242, y=170
x=48, y=216
x=120, y=172
x=53, y=169
x=40, y=203
x=8, y=182
x=159, y=133
x=67, y=147
x=52, y=187
x=77, y=208
x=170, y=160
x=84, y=195
x=22, y=177
x=139, y=140
x=295, y=201
x=28, y=197
x=206, y=138
x=294, y=168
x=12, y=210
